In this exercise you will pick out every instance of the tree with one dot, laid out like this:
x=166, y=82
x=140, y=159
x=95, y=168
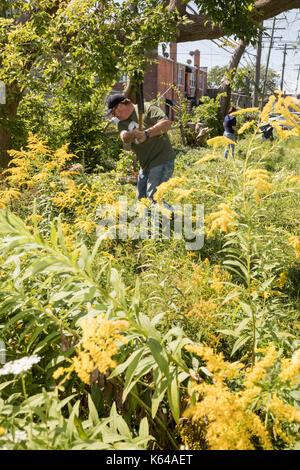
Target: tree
x=71, y=45
x=50, y=43
x=216, y=74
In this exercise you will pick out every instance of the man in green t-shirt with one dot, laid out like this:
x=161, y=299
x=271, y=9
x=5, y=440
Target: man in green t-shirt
x=151, y=145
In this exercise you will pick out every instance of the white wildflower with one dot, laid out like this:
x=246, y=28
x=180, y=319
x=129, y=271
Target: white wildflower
x=19, y=436
x=20, y=365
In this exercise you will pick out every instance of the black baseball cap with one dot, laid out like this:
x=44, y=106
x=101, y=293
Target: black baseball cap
x=114, y=100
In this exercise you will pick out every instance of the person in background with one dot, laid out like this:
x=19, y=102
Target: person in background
x=229, y=125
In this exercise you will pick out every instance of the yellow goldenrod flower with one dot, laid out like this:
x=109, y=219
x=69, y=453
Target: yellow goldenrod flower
x=34, y=217
x=58, y=373
x=295, y=243
x=182, y=193
x=282, y=280
x=203, y=310
x=220, y=141
x=256, y=374
x=293, y=179
x=85, y=225
x=109, y=256
x=223, y=219
x=207, y=158
x=100, y=342
x=246, y=126
x=245, y=110
x=283, y=412
x=290, y=368
x=7, y=195
x=219, y=277
x=258, y=179
x=265, y=114
x=164, y=187
x=230, y=417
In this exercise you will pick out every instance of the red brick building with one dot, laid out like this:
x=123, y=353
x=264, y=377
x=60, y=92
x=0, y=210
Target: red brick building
x=166, y=72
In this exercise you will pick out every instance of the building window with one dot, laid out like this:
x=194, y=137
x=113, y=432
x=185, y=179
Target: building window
x=193, y=79
x=180, y=77
x=201, y=82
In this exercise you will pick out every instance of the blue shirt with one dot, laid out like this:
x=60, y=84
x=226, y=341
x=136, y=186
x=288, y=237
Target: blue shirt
x=229, y=121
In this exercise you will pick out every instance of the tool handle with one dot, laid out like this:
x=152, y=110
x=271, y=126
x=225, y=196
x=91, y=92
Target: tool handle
x=140, y=103
x=140, y=122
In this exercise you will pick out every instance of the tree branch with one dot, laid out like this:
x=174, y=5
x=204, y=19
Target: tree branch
x=203, y=28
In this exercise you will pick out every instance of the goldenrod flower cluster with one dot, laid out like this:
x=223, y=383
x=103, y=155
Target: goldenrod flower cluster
x=295, y=243
x=246, y=126
x=258, y=179
x=100, y=342
x=7, y=195
x=219, y=277
x=223, y=219
x=231, y=419
x=282, y=280
x=290, y=120
x=203, y=310
x=58, y=373
x=245, y=110
x=291, y=368
x=293, y=179
x=265, y=114
x=207, y=158
x=220, y=141
x=164, y=187
x=182, y=193
x=36, y=163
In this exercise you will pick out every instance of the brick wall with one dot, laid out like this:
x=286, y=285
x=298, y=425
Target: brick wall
x=162, y=73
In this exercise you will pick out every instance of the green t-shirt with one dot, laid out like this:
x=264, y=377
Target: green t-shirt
x=155, y=150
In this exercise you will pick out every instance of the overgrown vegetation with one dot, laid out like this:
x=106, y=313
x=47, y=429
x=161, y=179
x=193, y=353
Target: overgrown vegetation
x=138, y=343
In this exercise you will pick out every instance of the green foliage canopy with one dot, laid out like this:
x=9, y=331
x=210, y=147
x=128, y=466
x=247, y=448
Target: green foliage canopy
x=71, y=41
x=235, y=16
x=239, y=83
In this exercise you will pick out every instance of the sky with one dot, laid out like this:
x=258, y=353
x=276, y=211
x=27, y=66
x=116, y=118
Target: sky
x=211, y=54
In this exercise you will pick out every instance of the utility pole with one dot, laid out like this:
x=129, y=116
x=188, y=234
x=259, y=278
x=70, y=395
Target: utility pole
x=267, y=64
x=298, y=75
x=284, y=47
x=257, y=70
x=283, y=67
x=271, y=45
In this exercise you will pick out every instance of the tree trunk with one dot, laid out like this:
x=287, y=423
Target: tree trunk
x=226, y=82
x=8, y=114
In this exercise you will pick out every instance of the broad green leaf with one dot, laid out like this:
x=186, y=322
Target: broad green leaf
x=173, y=396
x=93, y=413
x=144, y=428
x=161, y=387
x=239, y=343
x=159, y=355
x=143, y=367
x=133, y=358
x=123, y=428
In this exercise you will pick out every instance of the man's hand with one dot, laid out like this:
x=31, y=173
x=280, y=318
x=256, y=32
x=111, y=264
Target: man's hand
x=139, y=135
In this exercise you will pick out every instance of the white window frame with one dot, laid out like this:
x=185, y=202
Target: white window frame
x=180, y=77
x=193, y=79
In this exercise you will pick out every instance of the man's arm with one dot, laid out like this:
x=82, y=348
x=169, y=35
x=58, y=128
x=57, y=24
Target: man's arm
x=161, y=127
x=127, y=137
